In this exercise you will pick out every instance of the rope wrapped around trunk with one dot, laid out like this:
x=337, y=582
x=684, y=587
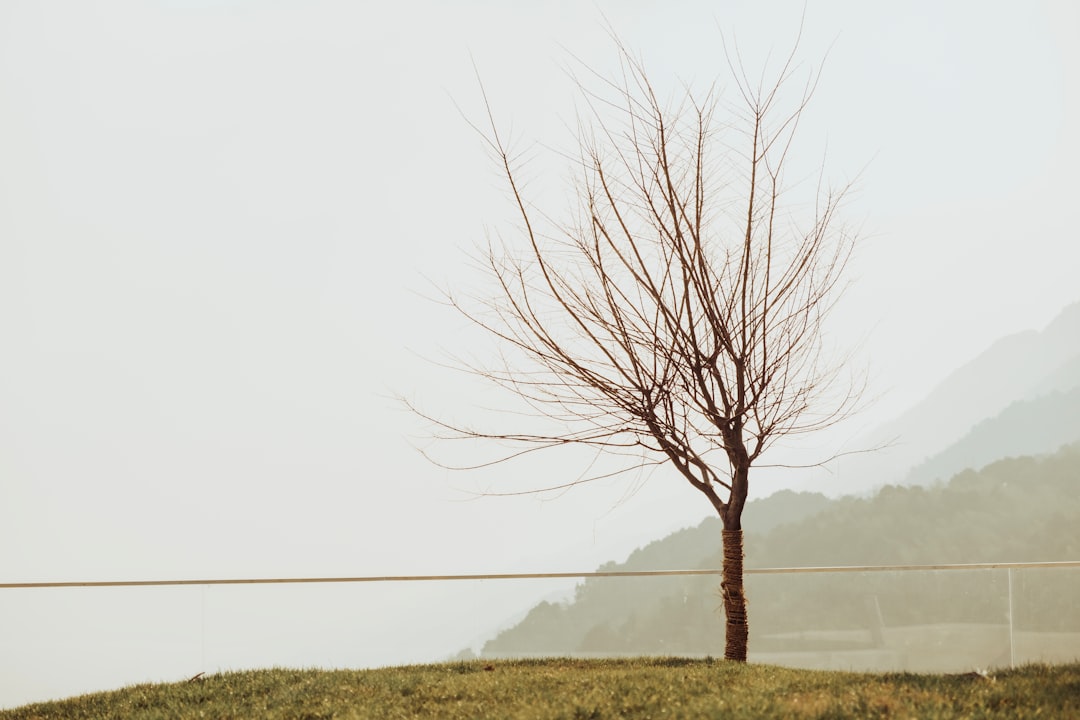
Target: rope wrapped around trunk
x=731, y=588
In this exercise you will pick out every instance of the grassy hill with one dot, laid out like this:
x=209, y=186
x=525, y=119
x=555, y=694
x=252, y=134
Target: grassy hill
x=642, y=688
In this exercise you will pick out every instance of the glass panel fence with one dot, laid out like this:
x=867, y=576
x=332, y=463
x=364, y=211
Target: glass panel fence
x=57, y=642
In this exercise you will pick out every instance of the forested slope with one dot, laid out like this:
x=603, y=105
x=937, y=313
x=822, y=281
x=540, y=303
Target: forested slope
x=1018, y=509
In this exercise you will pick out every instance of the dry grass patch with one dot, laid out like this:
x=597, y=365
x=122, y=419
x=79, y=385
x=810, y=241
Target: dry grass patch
x=577, y=689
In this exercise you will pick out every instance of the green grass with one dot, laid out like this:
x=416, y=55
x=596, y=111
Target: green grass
x=577, y=689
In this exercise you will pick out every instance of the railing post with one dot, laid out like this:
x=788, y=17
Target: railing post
x=203, y=658
x=1012, y=645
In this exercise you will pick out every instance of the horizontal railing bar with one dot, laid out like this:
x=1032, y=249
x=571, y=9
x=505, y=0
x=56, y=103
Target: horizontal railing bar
x=908, y=568
x=533, y=576
x=369, y=578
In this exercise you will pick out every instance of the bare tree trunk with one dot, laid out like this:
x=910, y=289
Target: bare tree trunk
x=731, y=588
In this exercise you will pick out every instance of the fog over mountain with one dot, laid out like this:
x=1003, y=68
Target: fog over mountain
x=1020, y=377
x=1026, y=427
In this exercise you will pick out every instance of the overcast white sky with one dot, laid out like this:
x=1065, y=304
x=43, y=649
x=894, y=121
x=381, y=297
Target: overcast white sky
x=218, y=220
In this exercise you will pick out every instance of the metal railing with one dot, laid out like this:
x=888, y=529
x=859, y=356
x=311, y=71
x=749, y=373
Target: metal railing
x=538, y=576
x=73, y=636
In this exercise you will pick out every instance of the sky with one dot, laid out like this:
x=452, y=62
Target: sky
x=223, y=227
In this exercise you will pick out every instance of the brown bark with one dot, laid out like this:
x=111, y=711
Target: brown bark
x=731, y=588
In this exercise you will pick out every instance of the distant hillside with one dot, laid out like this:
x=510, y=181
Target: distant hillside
x=1016, y=368
x=1020, y=397
x=1013, y=510
x=1063, y=379
x=1021, y=509
x=553, y=627
x=691, y=547
x=1027, y=427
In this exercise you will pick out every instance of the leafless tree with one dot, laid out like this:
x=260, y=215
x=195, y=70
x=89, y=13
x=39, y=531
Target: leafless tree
x=677, y=315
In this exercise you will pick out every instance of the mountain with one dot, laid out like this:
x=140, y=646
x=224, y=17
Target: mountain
x=1018, y=509
x=1020, y=397
x=1027, y=427
x=1018, y=368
